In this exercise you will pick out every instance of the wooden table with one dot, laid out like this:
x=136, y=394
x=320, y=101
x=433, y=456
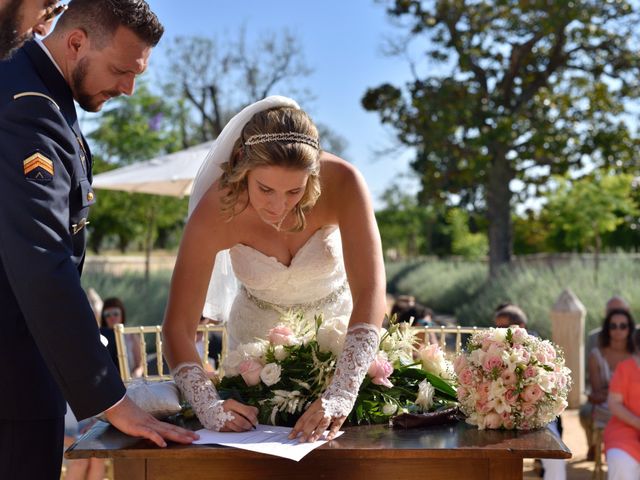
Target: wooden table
x=450, y=452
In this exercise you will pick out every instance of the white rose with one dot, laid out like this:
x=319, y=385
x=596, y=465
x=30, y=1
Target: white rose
x=231, y=362
x=389, y=408
x=280, y=353
x=254, y=350
x=425, y=395
x=331, y=334
x=270, y=374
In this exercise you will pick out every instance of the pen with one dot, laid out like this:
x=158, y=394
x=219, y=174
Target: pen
x=252, y=425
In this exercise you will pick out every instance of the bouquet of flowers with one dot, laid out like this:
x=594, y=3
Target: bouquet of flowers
x=283, y=374
x=510, y=379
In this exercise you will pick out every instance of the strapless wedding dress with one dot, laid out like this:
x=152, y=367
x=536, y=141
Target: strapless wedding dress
x=315, y=282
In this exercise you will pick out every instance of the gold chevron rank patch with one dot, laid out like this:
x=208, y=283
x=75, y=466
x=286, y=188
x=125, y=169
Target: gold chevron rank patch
x=38, y=168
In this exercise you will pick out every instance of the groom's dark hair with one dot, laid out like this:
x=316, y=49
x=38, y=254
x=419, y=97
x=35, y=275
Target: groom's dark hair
x=101, y=18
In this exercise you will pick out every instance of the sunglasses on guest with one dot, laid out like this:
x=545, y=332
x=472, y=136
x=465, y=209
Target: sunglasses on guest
x=618, y=326
x=112, y=313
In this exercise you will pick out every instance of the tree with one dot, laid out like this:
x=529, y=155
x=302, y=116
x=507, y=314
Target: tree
x=581, y=212
x=214, y=80
x=402, y=223
x=134, y=129
x=515, y=90
x=210, y=81
x=472, y=245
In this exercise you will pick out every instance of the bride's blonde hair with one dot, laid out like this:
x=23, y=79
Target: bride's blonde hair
x=284, y=137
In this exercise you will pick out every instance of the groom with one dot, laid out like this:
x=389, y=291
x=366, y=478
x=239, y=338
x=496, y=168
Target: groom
x=50, y=347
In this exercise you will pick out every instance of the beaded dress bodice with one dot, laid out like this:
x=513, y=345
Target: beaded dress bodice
x=315, y=282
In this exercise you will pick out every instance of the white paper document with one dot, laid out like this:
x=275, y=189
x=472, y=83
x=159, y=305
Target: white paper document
x=264, y=439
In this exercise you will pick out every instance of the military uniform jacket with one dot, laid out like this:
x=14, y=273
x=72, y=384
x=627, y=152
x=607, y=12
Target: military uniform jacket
x=50, y=347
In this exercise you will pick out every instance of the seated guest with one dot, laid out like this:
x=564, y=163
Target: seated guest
x=408, y=310
x=615, y=344
x=508, y=315
x=401, y=303
x=614, y=303
x=113, y=313
x=622, y=433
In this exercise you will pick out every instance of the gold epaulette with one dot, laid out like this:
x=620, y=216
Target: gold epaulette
x=35, y=94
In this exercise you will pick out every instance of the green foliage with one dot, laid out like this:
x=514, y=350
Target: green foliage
x=513, y=90
x=144, y=301
x=405, y=379
x=530, y=234
x=443, y=285
x=402, y=223
x=581, y=212
x=133, y=129
x=463, y=242
x=535, y=288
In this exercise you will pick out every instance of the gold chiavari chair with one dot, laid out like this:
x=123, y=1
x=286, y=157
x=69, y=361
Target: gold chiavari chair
x=141, y=333
x=443, y=335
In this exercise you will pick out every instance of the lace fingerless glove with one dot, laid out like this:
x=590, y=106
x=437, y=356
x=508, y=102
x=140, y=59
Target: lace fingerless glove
x=360, y=347
x=201, y=395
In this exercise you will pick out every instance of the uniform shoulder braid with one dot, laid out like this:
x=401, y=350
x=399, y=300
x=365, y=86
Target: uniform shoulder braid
x=20, y=95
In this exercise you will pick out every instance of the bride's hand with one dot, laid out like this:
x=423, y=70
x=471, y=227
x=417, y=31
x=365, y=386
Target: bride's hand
x=313, y=423
x=245, y=417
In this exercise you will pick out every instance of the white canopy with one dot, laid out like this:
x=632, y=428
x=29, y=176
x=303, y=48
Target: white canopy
x=170, y=174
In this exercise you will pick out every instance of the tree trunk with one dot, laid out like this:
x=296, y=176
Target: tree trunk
x=148, y=241
x=499, y=212
x=598, y=242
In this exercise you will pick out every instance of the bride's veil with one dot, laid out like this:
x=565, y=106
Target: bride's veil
x=223, y=286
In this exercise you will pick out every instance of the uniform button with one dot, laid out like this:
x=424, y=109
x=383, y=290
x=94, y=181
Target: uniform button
x=90, y=196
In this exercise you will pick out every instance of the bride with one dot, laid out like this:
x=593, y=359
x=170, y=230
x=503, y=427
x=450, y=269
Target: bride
x=299, y=229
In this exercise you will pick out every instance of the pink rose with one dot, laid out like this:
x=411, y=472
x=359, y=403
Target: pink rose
x=486, y=344
x=380, y=369
x=518, y=335
x=507, y=421
x=550, y=351
x=466, y=376
x=483, y=390
x=530, y=371
x=250, y=371
x=462, y=392
x=492, y=420
x=509, y=377
x=532, y=393
x=561, y=380
x=511, y=396
x=483, y=406
x=523, y=352
x=281, y=335
x=459, y=363
x=528, y=410
x=541, y=357
x=491, y=361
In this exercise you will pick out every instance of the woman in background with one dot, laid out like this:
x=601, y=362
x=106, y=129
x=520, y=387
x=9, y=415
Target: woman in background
x=113, y=313
x=622, y=433
x=615, y=344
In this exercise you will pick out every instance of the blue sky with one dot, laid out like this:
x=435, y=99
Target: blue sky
x=342, y=42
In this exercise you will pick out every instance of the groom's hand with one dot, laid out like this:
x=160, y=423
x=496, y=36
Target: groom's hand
x=127, y=417
x=313, y=423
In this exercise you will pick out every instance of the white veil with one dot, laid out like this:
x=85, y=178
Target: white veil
x=223, y=286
